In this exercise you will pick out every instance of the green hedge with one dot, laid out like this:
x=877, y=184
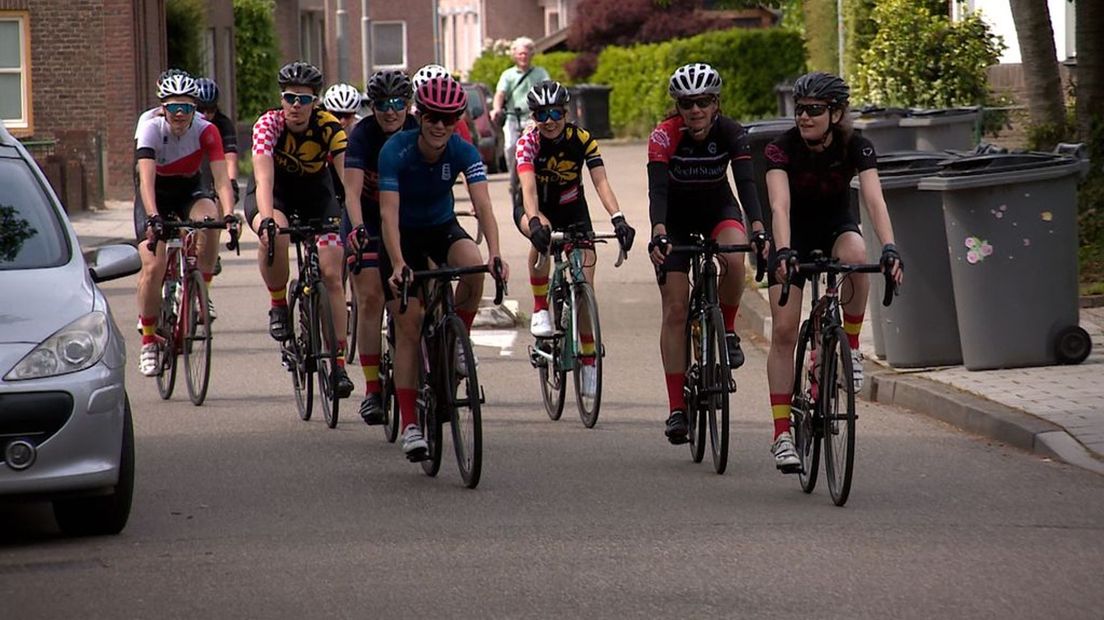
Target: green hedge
x=751, y=62
x=489, y=66
x=255, y=40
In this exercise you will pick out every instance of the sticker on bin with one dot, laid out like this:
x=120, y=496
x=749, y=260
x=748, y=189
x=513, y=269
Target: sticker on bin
x=999, y=211
x=1047, y=216
x=977, y=250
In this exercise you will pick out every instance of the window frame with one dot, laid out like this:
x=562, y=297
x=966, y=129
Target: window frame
x=24, y=126
x=375, y=47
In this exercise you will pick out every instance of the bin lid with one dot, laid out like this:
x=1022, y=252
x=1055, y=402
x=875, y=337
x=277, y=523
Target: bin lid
x=943, y=111
x=773, y=126
x=911, y=162
x=994, y=169
x=878, y=112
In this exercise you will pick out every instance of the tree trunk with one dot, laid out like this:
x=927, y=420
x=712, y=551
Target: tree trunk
x=1090, y=68
x=1040, y=65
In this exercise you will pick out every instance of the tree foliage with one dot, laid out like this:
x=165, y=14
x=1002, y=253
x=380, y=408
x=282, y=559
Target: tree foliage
x=185, y=21
x=599, y=23
x=921, y=59
x=256, y=56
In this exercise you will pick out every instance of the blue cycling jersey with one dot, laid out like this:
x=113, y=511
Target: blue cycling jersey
x=425, y=189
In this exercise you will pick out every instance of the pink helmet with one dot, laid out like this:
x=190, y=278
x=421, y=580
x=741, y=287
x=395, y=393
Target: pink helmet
x=442, y=95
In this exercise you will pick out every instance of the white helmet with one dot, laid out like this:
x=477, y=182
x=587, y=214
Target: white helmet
x=176, y=83
x=343, y=98
x=427, y=73
x=694, y=79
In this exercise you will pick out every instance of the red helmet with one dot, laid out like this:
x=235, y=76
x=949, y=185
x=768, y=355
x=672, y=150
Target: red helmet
x=442, y=95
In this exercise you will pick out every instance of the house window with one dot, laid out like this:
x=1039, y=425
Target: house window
x=210, y=52
x=389, y=45
x=15, y=75
x=311, y=37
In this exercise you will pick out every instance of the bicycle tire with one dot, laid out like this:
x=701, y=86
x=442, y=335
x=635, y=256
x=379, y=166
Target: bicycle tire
x=296, y=347
x=429, y=415
x=166, y=331
x=387, y=386
x=464, y=402
x=351, y=310
x=196, y=343
x=839, y=426
x=553, y=380
x=716, y=376
x=803, y=408
x=589, y=406
x=695, y=418
x=324, y=349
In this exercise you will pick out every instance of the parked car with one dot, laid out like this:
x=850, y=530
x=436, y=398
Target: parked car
x=491, y=139
x=65, y=424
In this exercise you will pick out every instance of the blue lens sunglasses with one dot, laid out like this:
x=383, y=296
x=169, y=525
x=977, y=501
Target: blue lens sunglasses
x=394, y=104
x=555, y=114
x=180, y=108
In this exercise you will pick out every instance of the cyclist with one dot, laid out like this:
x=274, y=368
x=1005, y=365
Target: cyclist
x=550, y=160
x=688, y=192
x=169, y=150
x=417, y=169
x=809, y=169
x=421, y=76
x=207, y=101
x=292, y=146
x=390, y=93
x=343, y=101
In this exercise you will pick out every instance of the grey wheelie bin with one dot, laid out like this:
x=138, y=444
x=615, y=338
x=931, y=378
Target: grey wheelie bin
x=882, y=126
x=590, y=108
x=1011, y=224
x=920, y=328
x=760, y=134
x=942, y=129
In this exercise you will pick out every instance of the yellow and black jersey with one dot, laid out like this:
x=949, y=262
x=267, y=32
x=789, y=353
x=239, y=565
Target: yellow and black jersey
x=299, y=155
x=558, y=164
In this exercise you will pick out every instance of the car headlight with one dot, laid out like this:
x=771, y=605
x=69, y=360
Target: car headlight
x=76, y=346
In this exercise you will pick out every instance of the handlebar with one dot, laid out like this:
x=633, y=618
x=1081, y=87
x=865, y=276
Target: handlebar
x=710, y=247
x=170, y=226
x=561, y=238
x=409, y=278
x=821, y=264
x=362, y=240
x=310, y=229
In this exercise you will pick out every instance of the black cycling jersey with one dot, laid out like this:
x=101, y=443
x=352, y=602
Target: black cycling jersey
x=229, y=135
x=819, y=181
x=365, y=143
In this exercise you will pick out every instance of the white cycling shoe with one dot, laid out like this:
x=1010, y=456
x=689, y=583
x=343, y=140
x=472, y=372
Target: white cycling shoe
x=149, y=362
x=541, y=324
x=785, y=456
x=588, y=381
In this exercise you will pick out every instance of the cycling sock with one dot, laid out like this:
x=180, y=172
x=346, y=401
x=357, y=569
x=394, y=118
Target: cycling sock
x=587, y=348
x=279, y=296
x=675, y=383
x=729, y=314
x=207, y=277
x=370, y=365
x=780, y=410
x=407, y=403
x=341, y=346
x=149, y=329
x=467, y=316
x=540, y=292
x=852, y=324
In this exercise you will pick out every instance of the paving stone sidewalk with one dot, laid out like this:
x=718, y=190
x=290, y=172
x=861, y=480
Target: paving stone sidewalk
x=1055, y=411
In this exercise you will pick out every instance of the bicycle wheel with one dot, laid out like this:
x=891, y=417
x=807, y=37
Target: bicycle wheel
x=387, y=386
x=351, y=332
x=838, y=391
x=324, y=349
x=166, y=333
x=552, y=378
x=197, y=338
x=803, y=404
x=715, y=382
x=429, y=414
x=296, y=350
x=588, y=306
x=695, y=412
x=464, y=402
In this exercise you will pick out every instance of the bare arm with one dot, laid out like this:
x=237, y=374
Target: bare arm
x=147, y=178
x=778, y=192
x=871, y=188
x=232, y=165
x=354, y=184
x=222, y=187
x=389, y=222
x=496, y=106
x=528, y=197
x=605, y=192
x=264, y=175
x=481, y=201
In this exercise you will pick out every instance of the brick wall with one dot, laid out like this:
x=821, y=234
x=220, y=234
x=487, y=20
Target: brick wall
x=510, y=19
x=287, y=29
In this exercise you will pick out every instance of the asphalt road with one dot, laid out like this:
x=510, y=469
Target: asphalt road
x=243, y=510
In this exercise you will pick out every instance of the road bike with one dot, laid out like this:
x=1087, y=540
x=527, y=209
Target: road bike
x=447, y=393
x=577, y=340
x=823, y=399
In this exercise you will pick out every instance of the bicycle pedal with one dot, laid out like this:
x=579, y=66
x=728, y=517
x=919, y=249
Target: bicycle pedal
x=792, y=469
x=417, y=456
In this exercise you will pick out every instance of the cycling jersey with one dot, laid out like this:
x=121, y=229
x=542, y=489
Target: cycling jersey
x=558, y=165
x=425, y=189
x=365, y=143
x=687, y=177
x=299, y=157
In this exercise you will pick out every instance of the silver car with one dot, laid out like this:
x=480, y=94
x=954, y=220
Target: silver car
x=65, y=427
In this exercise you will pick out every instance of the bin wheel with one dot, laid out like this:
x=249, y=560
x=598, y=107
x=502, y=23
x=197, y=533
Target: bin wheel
x=1072, y=345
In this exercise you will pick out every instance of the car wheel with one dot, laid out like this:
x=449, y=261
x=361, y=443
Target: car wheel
x=103, y=514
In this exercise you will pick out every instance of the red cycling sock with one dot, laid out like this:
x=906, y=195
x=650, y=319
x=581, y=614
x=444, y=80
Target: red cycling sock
x=407, y=403
x=729, y=314
x=675, y=383
x=467, y=316
x=780, y=411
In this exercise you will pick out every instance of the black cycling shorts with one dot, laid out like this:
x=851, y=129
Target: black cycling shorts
x=819, y=234
x=369, y=254
x=310, y=201
x=708, y=224
x=421, y=245
x=561, y=217
x=175, y=197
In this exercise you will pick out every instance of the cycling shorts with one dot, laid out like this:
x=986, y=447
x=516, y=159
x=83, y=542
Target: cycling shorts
x=561, y=217
x=369, y=254
x=679, y=230
x=419, y=247
x=310, y=202
x=819, y=235
x=175, y=197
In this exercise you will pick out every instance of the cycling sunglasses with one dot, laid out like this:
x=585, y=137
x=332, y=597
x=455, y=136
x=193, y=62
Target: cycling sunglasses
x=555, y=114
x=301, y=99
x=394, y=104
x=448, y=120
x=813, y=110
x=180, y=108
x=696, y=102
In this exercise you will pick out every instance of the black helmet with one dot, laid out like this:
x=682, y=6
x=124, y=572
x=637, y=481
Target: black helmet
x=299, y=73
x=820, y=85
x=389, y=83
x=548, y=94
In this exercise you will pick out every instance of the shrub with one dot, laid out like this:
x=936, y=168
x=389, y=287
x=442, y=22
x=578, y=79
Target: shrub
x=600, y=23
x=490, y=65
x=185, y=21
x=256, y=56
x=751, y=62
x=820, y=35
x=921, y=59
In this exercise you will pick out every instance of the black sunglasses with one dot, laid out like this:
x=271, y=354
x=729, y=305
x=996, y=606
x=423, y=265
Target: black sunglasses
x=697, y=102
x=813, y=110
x=448, y=120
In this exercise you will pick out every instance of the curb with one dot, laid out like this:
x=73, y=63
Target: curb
x=963, y=410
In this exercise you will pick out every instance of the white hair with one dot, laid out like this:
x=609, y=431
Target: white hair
x=521, y=43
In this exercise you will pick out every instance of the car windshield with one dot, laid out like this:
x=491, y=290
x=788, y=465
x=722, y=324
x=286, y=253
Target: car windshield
x=475, y=102
x=31, y=237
